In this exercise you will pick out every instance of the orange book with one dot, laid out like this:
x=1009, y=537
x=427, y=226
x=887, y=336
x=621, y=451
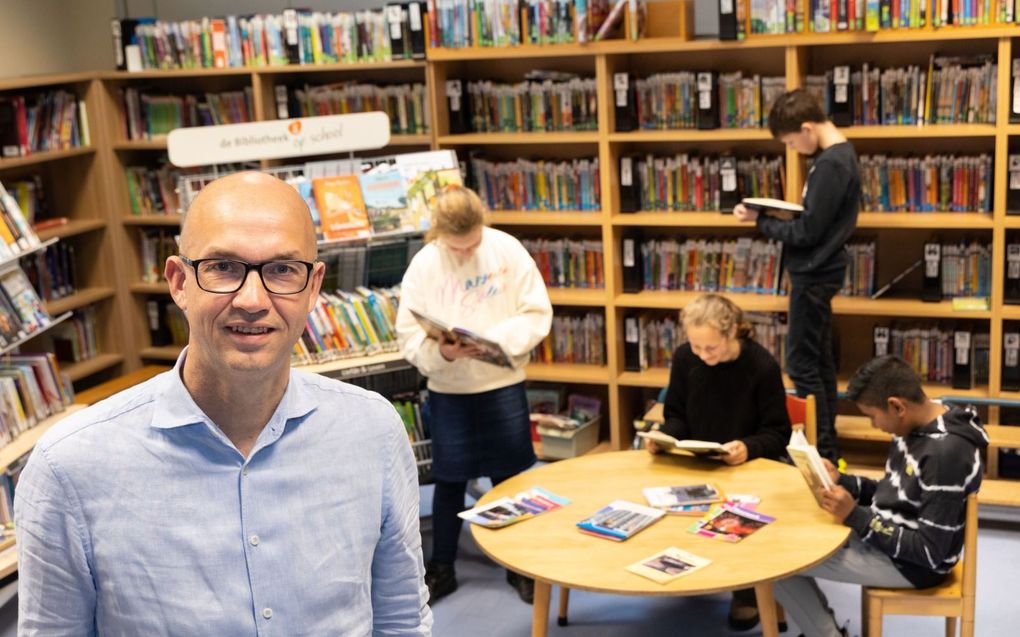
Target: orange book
x=341, y=207
x=219, y=43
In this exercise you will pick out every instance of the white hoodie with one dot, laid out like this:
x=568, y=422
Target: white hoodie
x=497, y=293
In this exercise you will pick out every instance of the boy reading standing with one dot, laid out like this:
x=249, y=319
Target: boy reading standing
x=814, y=243
x=907, y=528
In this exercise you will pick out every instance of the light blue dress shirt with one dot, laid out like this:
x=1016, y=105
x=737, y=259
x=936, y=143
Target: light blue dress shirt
x=138, y=517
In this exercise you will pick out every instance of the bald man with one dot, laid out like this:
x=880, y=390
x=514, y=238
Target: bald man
x=231, y=495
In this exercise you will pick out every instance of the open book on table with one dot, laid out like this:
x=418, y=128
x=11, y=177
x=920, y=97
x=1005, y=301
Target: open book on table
x=773, y=207
x=670, y=444
x=806, y=457
x=491, y=351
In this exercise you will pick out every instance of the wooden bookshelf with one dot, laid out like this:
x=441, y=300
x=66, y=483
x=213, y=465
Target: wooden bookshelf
x=168, y=353
x=151, y=220
x=89, y=366
x=81, y=298
x=543, y=218
x=568, y=373
x=44, y=157
x=72, y=228
x=595, y=297
x=26, y=440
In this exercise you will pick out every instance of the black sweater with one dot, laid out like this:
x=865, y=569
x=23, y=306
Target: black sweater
x=814, y=242
x=916, y=512
x=742, y=399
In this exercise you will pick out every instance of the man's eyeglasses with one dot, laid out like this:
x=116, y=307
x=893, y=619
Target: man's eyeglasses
x=226, y=276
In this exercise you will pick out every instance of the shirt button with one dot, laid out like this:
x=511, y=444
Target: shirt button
x=244, y=471
x=267, y=613
x=254, y=539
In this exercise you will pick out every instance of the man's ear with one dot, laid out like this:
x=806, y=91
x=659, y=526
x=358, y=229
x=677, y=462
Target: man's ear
x=175, y=273
x=896, y=406
x=315, y=284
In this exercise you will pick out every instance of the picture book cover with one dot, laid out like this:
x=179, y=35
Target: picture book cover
x=507, y=511
x=620, y=520
x=489, y=351
x=730, y=523
x=24, y=299
x=385, y=199
x=664, y=497
x=671, y=445
x=665, y=566
x=424, y=175
x=341, y=207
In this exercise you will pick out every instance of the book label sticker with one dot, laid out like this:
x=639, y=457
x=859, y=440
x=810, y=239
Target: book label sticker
x=961, y=343
x=414, y=13
x=1011, y=345
x=631, y=330
x=393, y=16
x=726, y=7
x=628, y=253
x=627, y=172
x=932, y=256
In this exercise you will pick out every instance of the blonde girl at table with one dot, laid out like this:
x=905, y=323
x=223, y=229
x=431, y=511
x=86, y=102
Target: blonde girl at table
x=726, y=388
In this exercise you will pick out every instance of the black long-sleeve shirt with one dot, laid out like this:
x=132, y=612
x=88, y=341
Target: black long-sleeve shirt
x=742, y=399
x=915, y=513
x=815, y=240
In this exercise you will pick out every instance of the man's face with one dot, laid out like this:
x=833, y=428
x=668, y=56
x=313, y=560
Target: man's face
x=251, y=329
x=889, y=420
x=804, y=141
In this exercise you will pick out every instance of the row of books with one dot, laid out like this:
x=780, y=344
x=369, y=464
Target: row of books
x=22, y=312
x=378, y=264
x=926, y=184
x=566, y=263
x=75, y=339
x=409, y=410
x=31, y=390
x=16, y=233
x=952, y=90
x=167, y=323
x=54, y=120
x=156, y=246
x=650, y=339
x=859, y=279
x=148, y=115
x=574, y=339
x=568, y=104
x=824, y=16
x=405, y=104
x=153, y=190
x=697, y=182
x=291, y=37
x=464, y=23
x=538, y=185
x=711, y=265
x=939, y=353
x=52, y=271
x=966, y=269
x=700, y=99
x=345, y=324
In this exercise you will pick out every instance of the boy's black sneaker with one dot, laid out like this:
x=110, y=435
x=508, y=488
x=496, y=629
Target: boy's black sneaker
x=440, y=580
x=525, y=586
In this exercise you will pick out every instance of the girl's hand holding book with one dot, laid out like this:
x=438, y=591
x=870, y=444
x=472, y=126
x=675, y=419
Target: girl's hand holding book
x=736, y=452
x=452, y=349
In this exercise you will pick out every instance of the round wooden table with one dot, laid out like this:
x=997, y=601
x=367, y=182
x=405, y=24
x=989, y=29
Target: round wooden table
x=550, y=549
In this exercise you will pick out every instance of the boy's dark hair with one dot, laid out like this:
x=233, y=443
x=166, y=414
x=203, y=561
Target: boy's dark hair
x=882, y=378
x=793, y=108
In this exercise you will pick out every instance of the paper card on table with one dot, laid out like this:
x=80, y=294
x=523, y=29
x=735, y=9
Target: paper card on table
x=666, y=566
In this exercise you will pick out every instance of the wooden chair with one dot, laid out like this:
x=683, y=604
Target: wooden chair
x=802, y=411
x=953, y=599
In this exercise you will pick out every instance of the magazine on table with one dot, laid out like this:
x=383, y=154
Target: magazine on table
x=490, y=351
x=666, y=497
x=669, y=444
x=666, y=566
x=619, y=520
x=507, y=511
x=730, y=523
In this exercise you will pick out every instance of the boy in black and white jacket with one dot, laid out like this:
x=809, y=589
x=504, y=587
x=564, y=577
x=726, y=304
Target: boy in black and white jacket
x=907, y=527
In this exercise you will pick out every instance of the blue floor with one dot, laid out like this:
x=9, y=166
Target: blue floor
x=486, y=605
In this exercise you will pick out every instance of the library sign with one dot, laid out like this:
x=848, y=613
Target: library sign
x=277, y=139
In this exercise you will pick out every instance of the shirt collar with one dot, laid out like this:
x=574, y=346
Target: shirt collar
x=174, y=406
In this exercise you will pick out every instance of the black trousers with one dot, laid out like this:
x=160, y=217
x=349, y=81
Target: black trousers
x=809, y=359
x=447, y=502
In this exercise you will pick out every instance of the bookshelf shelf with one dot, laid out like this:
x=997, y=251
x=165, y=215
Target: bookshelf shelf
x=1011, y=221
x=141, y=144
x=328, y=68
x=410, y=140
x=670, y=218
x=81, y=298
x=544, y=138
x=675, y=300
x=692, y=135
x=543, y=218
x=1010, y=312
x=9, y=561
x=151, y=220
x=41, y=81
x=358, y=366
x=926, y=220
x=902, y=307
x=26, y=441
x=155, y=74
x=654, y=377
x=7, y=263
x=162, y=353
x=72, y=228
x=96, y=364
x=568, y=373
x=920, y=132
x=44, y=157
x=53, y=323
x=161, y=287
x=577, y=296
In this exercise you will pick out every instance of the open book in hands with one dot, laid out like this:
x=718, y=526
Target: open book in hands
x=806, y=457
x=669, y=444
x=488, y=351
x=773, y=207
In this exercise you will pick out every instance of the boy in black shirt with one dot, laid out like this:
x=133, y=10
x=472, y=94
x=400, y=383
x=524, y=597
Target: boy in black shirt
x=907, y=528
x=815, y=253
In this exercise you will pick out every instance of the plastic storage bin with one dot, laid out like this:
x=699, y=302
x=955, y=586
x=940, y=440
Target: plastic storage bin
x=558, y=445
